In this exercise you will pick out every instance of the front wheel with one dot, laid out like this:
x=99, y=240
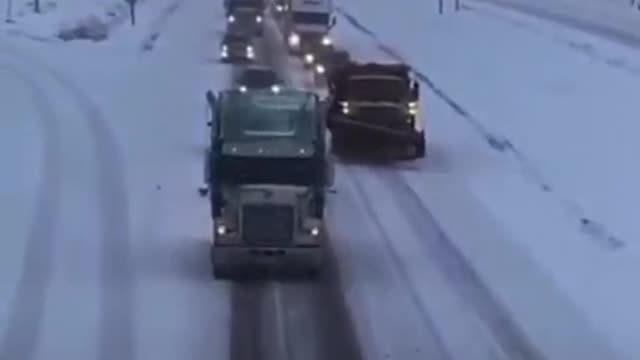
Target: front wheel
x=421, y=147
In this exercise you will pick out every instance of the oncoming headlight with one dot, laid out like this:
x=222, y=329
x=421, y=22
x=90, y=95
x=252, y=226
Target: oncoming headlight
x=294, y=39
x=258, y=19
x=326, y=41
x=231, y=18
x=279, y=8
x=221, y=229
x=320, y=69
x=243, y=89
x=275, y=88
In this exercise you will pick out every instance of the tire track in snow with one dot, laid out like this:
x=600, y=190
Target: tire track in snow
x=435, y=344
x=590, y=27
x=158, y=25
x=21, y=337
x=118, y=283
x=116, y=332
x=469, y=286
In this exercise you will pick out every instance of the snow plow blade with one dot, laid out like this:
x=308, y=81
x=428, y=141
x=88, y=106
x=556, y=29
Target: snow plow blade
x=344, y=123
x=353, y=139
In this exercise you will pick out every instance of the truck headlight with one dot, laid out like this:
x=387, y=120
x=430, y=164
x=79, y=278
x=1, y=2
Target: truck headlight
x=326, y=41
x=308, y=58
x=314, y=231
x=224, y=52
x=413, y=108
x=345, y=107
x=221, y=229
x=294, y=39
x=250, y=53
x=231, y=19
x=259, y=19
x=320, y=69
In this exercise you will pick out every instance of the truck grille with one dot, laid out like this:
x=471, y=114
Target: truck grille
x=389, y=117
x=267, y=225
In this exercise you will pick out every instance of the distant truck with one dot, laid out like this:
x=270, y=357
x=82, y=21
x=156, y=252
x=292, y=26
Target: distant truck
x=306, y=26
x=237, y=48
x=373, y=110
x=267, y=171
x=246, y=20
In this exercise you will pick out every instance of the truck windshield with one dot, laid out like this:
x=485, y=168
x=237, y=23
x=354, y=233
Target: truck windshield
x=376, y=88
x=285, y=171
x=315, y=18
x=261, y=116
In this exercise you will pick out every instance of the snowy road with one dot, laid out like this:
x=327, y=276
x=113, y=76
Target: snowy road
x=105, y=251
x=278, y=320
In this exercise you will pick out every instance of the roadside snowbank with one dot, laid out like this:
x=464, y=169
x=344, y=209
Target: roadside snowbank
x=588, y=44
x=615, y=19
x=88, y=20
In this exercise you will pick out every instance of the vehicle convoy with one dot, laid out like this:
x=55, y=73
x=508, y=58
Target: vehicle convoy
x=306, y=25
x=374, y=107
x=237, y=48
x=259, y=77
x=267, y=171
x=246, y=20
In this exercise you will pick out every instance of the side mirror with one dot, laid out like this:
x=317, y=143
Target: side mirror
x=211, y=99
x=333, y=22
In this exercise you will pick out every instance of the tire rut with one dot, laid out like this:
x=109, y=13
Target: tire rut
x=21, y=337
x=116, y=331
x=454, y=265
x=436, y=345
x=291, y=320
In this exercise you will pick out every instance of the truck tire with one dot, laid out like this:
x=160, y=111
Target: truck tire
x=420, y=148
x=219, y=270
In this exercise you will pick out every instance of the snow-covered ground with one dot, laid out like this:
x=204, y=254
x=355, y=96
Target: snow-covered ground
x=617, y=20
x=476, y=253
x=561, y=149
x=105, y=237
x=588, y=43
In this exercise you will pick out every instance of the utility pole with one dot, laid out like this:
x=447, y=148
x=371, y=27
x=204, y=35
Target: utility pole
x=441, y=6
x=132, y=11
x=458, y=6
x=36, y=6
x=9, y=19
